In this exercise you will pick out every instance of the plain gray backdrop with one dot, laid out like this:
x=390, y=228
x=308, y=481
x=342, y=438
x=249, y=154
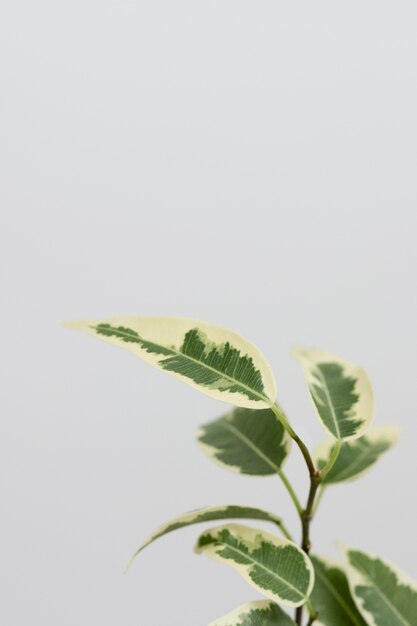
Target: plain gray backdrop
x=252, y=164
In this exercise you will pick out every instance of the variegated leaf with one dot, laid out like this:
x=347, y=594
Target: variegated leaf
x=257, y=613
x=383, y=593
x=215, y=361
x=276, y=567
x=341, y=392
x=356, y=457
x=246, y=441
x=210, y=514
x=331, y=596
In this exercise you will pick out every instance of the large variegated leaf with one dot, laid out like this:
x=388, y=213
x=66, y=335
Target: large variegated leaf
x=257, y=613
x=276, y=567
x=331, y=596
x=210, y=514
x=384, y=594
x=341, y=393
x=357, y=456
x=216, y=361
x=246, y=441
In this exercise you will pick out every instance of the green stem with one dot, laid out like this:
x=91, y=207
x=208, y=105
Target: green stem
x=322, y=489
x=312, y=619
x=310, y=610
x=332, y=460
x=306, y=518
x=284, y=530
x=300, y=443
x=290, y=490
x=306, y=515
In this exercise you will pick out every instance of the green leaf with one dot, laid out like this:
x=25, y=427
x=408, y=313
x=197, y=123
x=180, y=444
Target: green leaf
x=257, y=613
x=341, y=392
x=357, y=456
x=331, y=596
x=276, y=567
x=384, y=594
x=210, y=514
x=247, y=441
x=215, y=361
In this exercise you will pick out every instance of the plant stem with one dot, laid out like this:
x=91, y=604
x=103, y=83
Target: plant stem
x=300, y=443
x=306, y=518
x=290, y=490
x=320, y=494
x=306, y=515
x=332, y=460
x=324, y=472
x=312, y=613
x=284, y=530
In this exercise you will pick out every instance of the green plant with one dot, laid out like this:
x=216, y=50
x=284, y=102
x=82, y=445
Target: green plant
x=255, y=438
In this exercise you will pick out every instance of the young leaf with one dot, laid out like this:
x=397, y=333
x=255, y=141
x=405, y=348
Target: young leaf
x=331, y=596
x=276, y=567
x=357, y=456
x=341, y=393
x=384, y=594
x=210, y=514
x=257, y=613
x=246, y=441
x=215, y=361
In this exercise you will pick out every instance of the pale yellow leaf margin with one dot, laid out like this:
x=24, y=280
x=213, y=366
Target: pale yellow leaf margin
x=355, y=579
x=387, y=434
x=170, y=332
x=254, y=537
x=364, y=408
x=234, y=618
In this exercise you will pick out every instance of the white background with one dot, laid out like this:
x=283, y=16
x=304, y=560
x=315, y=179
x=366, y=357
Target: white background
x=252, y=164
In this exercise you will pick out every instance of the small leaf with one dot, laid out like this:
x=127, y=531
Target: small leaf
x=356, y=457
x=276, y=567
x=210, y=514
x=246, y=441
x=257, y=613
x=384, y=594
x=215, y=361
x=341, y=393
x=331, y=596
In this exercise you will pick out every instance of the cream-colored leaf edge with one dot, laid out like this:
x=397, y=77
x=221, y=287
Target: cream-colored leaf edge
x=309, y=357
x=170, y=332
x=234, y=618
x=187, y=520
x=252, y=537
x=356, y=578
x=376, y=434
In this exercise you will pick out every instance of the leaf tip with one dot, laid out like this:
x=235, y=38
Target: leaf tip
x=341, y=546
x=69, y=324
x=395, y=432
x=129, y=563
x=297, y=352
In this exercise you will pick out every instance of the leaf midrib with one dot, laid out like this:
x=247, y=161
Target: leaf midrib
x=384, y=598
x=174, y=351
x=338, y=597
x=283, y=580
x=167, y=528
x=329, y=399
x=249, y=444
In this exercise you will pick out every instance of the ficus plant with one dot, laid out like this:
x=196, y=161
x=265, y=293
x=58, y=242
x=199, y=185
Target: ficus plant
x=255, y=438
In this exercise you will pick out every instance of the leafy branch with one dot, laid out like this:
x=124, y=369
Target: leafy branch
x=254, y=439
